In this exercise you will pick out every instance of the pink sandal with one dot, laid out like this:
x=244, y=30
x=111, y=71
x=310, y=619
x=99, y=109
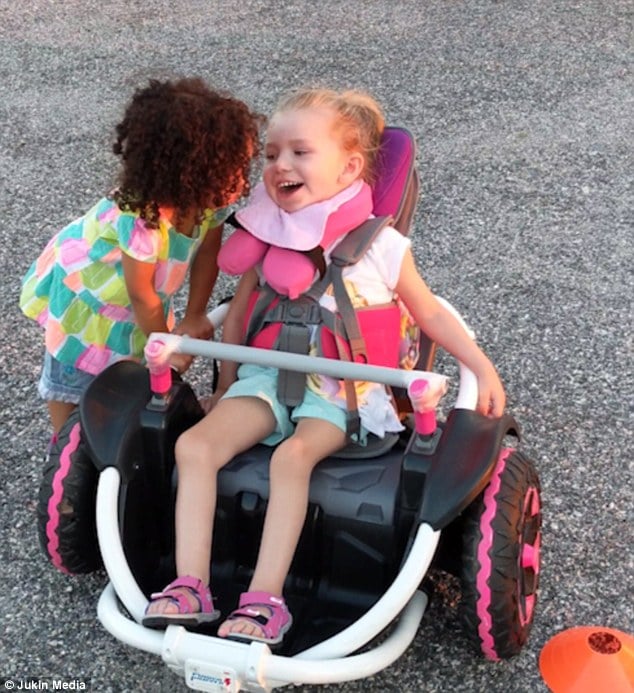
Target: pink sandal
x=185, y=616
x=273, y=627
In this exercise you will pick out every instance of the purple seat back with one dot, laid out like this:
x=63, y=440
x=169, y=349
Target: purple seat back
x=395, y=191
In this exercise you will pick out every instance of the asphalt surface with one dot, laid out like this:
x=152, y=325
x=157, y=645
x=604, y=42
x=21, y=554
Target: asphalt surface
x=523, y=115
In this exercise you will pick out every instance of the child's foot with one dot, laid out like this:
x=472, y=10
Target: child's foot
x=260, y=616
x=185, y=602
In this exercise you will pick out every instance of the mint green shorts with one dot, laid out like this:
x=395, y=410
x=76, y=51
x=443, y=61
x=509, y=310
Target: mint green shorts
x=261, y=382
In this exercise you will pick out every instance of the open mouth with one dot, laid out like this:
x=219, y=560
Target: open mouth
x=289, y=187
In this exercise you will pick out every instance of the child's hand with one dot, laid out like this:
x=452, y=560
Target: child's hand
x=491, y=396
x=195, y=326
x=180, y=362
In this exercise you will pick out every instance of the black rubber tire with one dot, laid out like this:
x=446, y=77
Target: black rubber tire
x=66, y=523
x=500, y=559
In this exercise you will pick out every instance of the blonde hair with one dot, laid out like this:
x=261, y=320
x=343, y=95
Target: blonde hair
x=358, y=118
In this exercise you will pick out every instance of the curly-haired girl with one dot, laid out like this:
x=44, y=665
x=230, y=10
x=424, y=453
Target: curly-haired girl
x=106, y=280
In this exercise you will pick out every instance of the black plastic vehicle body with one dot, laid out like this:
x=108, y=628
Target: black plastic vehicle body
x=361, y=517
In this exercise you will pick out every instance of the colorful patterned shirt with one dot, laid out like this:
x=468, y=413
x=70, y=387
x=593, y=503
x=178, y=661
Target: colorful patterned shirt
x=76, y=288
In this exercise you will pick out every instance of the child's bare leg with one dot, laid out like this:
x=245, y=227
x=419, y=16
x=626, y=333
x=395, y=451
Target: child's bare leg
x=291, y=468
x=201, y=452
x=59, y=412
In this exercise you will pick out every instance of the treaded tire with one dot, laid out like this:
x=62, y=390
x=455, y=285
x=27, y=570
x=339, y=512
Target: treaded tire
x=500, y=560
x=66, y=522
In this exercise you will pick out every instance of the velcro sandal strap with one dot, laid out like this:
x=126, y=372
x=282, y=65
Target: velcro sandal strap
x=273, y=625
x=261, y=599
x=197, y=588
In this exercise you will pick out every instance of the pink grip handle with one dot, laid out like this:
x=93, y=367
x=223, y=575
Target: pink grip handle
x=160, y=371
x=424, y=418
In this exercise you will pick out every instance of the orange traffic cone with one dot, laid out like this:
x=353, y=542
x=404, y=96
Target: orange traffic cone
x=589, y=659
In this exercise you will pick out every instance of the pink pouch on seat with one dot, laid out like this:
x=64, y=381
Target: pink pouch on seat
x=380, y=327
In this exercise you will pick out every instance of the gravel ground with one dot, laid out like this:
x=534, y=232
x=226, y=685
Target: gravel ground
x=521, y=111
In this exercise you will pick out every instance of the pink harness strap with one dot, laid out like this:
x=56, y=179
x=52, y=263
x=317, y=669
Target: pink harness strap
x=379, y=326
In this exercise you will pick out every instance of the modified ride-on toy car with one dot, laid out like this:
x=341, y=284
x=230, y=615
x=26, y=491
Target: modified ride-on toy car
x=452, y=493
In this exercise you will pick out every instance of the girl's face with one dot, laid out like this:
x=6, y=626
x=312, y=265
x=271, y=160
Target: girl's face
x=304, y=159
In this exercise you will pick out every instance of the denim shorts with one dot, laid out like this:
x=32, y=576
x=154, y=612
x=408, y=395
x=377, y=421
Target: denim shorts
x=60, y=382
x=261, y=382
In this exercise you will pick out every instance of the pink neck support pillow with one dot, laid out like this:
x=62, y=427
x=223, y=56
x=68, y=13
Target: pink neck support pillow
x=279, y=240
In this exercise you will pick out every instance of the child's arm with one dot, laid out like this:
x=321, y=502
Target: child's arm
x=442, y=327
x=146, y=303
x=233, y=333
x=202, y=278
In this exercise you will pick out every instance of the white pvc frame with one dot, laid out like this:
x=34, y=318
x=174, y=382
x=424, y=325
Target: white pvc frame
x=216, y=664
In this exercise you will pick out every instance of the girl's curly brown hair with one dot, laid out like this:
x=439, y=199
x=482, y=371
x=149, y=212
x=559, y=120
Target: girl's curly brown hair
x=184, y=145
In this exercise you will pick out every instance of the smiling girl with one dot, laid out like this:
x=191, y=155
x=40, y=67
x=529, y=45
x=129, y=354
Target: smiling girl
x=320, y=150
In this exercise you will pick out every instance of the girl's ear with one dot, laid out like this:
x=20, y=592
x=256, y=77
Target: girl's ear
x=353, y=168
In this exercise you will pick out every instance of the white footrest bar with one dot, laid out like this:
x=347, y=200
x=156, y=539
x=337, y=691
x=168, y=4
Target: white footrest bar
x=203, y=659
x=110, y=544
x=123, y=628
